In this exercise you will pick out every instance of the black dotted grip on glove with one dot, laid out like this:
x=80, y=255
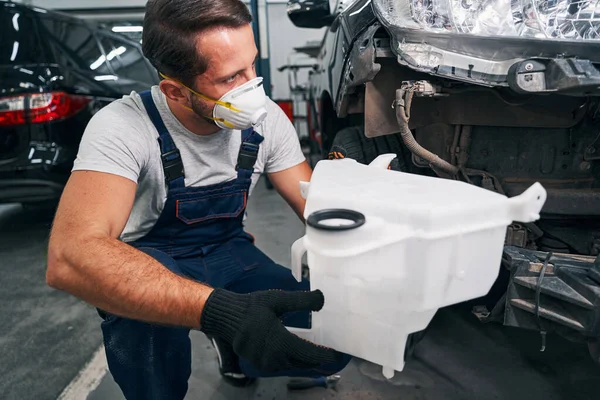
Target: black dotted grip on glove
x=251, y=324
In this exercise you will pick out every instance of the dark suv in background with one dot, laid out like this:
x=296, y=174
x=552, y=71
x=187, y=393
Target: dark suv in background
x=56, y=72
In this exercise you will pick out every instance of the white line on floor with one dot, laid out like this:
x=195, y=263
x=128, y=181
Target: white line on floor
x=88, y=378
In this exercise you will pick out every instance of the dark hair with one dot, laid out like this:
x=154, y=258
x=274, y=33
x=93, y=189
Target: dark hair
x=171, y=28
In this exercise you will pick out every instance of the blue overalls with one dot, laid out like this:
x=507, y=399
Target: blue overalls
x=199, y=234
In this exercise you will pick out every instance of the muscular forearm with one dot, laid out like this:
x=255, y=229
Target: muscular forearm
x=122, y=280
x=287, y=183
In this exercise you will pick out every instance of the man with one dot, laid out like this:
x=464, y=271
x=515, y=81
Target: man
x=150, y=226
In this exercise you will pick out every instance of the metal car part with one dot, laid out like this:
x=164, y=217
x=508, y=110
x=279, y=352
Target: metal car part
x=516, y=235
x=569, y=293
x=457, y=109
x=481, y=59
x=461, y=67
x=360, y=67
x=504, y=161
x=563, y=75
x=566, y=75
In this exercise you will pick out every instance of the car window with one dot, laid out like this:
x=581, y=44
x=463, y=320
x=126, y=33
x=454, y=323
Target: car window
x=127, y=61
x=19, y=42
x=75, y=45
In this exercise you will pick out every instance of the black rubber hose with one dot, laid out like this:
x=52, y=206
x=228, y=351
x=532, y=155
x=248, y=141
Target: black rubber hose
x=403, y=116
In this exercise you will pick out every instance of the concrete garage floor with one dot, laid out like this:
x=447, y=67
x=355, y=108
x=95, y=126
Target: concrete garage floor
x=46, y=337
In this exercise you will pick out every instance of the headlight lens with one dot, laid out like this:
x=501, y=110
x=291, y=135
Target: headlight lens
x=542, y=19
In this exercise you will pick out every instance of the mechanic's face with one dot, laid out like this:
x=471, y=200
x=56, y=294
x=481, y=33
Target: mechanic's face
x=231, y=55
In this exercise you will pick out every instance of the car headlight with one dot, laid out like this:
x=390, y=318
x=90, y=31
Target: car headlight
x=577, y=20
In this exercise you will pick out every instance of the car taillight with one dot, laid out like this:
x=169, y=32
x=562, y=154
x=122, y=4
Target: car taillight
x=43, y=107
x=12, y=111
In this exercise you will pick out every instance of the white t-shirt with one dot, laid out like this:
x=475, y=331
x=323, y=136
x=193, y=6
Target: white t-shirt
x=121, y=139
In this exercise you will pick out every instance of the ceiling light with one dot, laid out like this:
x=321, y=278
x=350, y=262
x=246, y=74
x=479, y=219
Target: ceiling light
x=122, y=29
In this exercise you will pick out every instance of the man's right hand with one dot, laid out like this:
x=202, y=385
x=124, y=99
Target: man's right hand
x=251, y=324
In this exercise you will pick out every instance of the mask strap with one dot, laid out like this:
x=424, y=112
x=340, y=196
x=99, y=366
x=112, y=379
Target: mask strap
x=225, y=104
x=227, y=123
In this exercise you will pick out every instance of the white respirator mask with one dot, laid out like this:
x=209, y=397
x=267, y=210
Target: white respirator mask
x=240, y=108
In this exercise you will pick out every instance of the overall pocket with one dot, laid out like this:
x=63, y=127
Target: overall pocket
x=218, y=206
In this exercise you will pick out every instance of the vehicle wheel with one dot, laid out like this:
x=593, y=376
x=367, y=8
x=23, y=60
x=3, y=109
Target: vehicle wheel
x=352, y=143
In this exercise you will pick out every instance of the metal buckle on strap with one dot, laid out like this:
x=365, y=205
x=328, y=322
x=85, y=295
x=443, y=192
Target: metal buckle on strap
x=247, y=156
x=172, y=166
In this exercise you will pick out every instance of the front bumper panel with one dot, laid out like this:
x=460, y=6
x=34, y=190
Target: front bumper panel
x=484, y=60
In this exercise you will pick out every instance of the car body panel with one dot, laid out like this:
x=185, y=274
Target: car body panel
x=325, y=81
x=74, y=57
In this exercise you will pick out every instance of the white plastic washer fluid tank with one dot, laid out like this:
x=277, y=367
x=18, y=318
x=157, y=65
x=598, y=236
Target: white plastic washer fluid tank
x=388, y=249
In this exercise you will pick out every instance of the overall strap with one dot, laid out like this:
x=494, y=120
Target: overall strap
x=170, y=156
x=248, y=153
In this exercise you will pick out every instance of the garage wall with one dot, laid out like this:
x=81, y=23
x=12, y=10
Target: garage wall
x=283, y=37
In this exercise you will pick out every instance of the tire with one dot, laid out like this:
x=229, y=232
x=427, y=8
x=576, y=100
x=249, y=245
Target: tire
x=352, y=143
